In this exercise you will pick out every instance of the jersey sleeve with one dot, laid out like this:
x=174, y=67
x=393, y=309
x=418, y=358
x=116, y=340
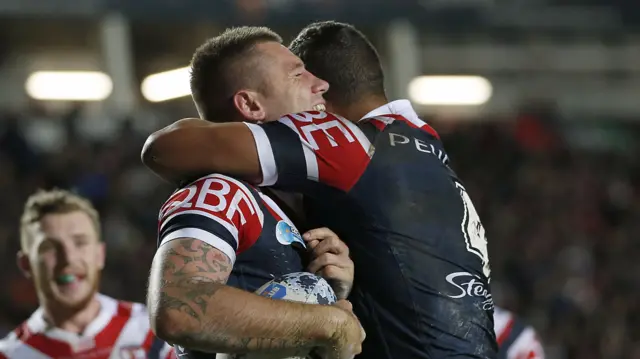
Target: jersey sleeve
x=215, y=209
x=311, y=148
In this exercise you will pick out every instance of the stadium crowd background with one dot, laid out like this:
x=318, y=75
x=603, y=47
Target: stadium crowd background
x=558, y=189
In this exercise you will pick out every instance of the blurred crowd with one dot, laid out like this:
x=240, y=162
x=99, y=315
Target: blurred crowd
x=561, y=220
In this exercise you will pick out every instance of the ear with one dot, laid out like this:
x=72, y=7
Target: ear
x=249, y=104
x=101, y=255
x=23, y=264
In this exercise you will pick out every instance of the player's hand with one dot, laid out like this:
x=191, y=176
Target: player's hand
x=346, y=305
x=330, y=260
x=347, y=341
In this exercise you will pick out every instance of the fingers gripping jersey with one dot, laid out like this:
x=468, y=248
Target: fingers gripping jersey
x=384, y=185
x=215, y=209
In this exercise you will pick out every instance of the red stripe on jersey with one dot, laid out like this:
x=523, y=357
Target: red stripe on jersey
x=505, y=332
x=171, y=354
x=43, y=344
x=108, y=336
x=148, y=341
x=423, y=125
x=2, y=356
x=220, y=197
x=377, y=123
x=340, y=157
x=273, y=212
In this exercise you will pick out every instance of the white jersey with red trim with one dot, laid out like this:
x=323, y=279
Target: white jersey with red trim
x=516, y=339
x=120, y=331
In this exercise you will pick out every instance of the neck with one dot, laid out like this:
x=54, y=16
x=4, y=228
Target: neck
x=359, y=109
x=73, y=320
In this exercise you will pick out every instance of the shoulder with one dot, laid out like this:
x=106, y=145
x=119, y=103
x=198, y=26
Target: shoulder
x=125, y=310
x=133, y=319
x=211, y=195
x=14, y=344
x=9, y=344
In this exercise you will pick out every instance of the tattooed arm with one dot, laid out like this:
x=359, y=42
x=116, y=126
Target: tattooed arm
x=190, y=306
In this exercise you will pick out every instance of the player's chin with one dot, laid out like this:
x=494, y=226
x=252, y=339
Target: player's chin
x=73, y=294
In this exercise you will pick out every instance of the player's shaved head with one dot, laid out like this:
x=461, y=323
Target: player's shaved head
x=225, y=64
x=341, y=55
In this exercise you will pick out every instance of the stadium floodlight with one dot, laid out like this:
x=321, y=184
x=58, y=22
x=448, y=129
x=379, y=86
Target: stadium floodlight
x=166, y=85
x=450, y=90
x=69, y=85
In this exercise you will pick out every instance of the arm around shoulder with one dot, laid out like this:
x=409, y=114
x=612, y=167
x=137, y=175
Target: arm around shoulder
x=193, y=147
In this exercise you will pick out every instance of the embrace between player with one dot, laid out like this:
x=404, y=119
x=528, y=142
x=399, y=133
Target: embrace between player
x=381, y=182
x=379, y=177
x=221, y=238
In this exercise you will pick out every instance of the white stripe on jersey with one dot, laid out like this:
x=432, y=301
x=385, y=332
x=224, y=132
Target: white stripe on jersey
x=265, y=154
x=228, y=226
x=204, y=236
x=134, y=332
x=526, y=346
x=271, y=204
x=385, y=119
x=309, y=157
x=246, y=192
x=501, y=320
x=364, y=141
x=23, y=351
x=414, y=119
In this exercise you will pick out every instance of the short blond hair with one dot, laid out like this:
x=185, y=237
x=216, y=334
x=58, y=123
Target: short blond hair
x=54, y=201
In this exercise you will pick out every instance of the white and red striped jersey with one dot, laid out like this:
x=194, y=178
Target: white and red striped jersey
x=120, y=331
x=516, y=339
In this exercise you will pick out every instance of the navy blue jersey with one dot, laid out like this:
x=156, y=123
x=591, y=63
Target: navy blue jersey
x=238, y=220
x=384, y=185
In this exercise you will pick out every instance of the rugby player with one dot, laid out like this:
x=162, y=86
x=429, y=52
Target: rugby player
x=516, y=339
x=382, y=182
x=61, y=252
x=221, y=239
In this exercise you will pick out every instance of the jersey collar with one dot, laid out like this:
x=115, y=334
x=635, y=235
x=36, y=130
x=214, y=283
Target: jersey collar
x=398, y=107
x=108, y=308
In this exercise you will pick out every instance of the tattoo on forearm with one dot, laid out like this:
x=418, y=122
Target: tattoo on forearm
x=193, y=272
x=192, y=262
